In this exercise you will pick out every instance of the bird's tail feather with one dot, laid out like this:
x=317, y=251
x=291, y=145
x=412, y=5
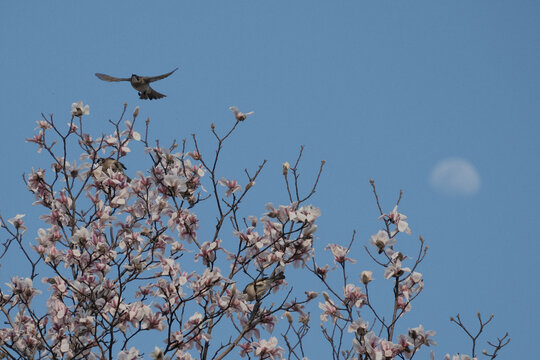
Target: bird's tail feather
x=151, y=95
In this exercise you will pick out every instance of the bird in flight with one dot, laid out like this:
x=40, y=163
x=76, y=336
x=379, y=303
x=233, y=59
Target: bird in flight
x=140, y=83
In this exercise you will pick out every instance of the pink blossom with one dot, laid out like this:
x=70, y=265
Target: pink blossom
x=132, y=354
x=339, y=253
x=38, y=139
x=359, y=326
x=208, y=251
x=157, y=353
x=395, y=269
x=245, y=348
x=181, y=355
x=18, y=222
x=353, y=295
x=366, y=277
x=381, y=240
x=388, y=349
x=78, y=109
x=371, y=343
x=22, y=289
x=329, y=309
x=405, y=343
x=231, y=185
x=397, y=219
x=154, y=321
x=265, y=349
x=421, y=337
x=323, y=271
x=240, y=116
x=43, y=124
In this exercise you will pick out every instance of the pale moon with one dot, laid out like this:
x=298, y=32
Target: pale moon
x=455, y=176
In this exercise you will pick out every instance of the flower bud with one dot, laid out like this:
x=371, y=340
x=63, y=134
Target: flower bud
x=366, y=276
x=288, y=316
x=196, y=155
x=326, y=297
x=136, y=112
x=286, y=167
x=253, y=220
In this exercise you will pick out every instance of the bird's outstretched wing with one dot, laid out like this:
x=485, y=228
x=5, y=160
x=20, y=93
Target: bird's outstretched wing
x=159, y=77
x=106, y=77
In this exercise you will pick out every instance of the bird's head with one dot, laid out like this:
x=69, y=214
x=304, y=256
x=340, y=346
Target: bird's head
x=279, y=276
x=135, y=77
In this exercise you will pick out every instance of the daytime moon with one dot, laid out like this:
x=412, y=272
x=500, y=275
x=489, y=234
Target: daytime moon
x=455, y=176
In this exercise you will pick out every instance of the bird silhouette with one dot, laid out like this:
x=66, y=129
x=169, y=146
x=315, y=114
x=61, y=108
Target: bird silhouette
x=140, y=83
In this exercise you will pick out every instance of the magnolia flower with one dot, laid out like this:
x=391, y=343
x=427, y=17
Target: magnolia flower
x=232, y=186
x=240, y=116
x=397, y=219
x=175, y=183
x=323, y=271
x=359, y=326
x=353, y=295
x=289, y=317
x=23, y=289
x=366, y=276
x=339, y=253
x=381, y=240
x=329, y=309
x=268, y=349
x=245, y=348
x=395, y=269
x=157, y=354
x=17, y=221
x=43, y=124
x=421, y=337
x=132, y=354
x=78, y=109
x=208, y=251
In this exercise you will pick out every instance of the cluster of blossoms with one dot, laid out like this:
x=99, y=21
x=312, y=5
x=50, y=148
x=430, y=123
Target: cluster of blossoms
x=345, y=309
x=114, y=257
x=287, y=237
x=124, y=256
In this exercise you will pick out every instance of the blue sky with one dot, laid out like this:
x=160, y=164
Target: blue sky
x=384, y=90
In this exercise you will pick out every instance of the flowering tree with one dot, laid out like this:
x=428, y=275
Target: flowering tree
x=120, y=258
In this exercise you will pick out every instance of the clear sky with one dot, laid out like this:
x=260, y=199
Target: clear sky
x=388, y=90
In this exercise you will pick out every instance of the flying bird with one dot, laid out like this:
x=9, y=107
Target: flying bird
x=140, y=83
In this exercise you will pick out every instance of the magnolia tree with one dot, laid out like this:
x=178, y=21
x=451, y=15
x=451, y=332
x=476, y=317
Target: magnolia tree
x=118, y=261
